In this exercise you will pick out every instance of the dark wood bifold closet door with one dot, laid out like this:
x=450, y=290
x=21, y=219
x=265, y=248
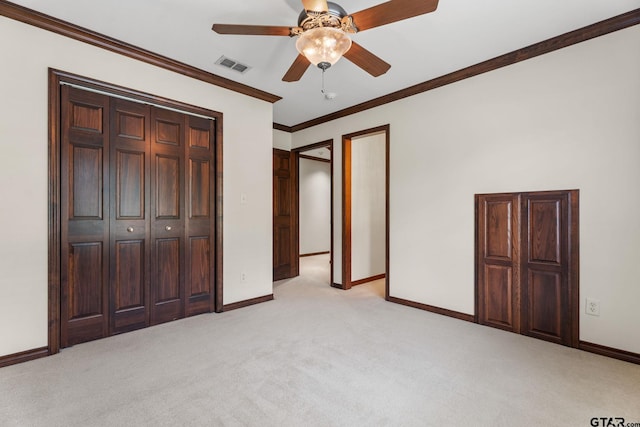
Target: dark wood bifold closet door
x=499, y=261
x=200, y=198
x=84, y=216
x=527, y=263
x=138, y=215
x=547, y=266
x=167, y=212
x=130, y=249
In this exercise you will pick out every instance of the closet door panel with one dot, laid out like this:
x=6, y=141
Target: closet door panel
x=498, y=296
x=130, y=264
x=200, y=208
x=130, y=184
x=85, y=281
x=129, y=284
x=130, y=172
x=85, y=293
x=168, y=215
x=547, y=312
x=167, y=269
x=84, y=196
x=497, y=260
x=199, y=272
x=544, y=309
x=86, y=182
x=167, y=181
x=199, y=189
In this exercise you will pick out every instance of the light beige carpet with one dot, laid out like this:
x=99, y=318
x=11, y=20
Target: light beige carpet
x=318, y=356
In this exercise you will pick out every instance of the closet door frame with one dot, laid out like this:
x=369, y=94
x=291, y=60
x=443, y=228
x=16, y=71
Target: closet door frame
x=56, y=79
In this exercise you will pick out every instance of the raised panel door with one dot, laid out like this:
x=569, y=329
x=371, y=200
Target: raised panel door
x=547, y=310
x=129, y=178
x=167, y=215
x=200, y=233
x=84, y=198
x=137, y=206
x=498, y=299
x=527, y=263
x=284, y=253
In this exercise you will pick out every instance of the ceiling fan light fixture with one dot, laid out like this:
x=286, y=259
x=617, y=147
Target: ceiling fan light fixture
x=323, y=46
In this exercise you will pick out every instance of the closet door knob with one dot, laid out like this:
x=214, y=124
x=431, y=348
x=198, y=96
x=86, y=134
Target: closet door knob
x=168, y=228
x=130, y=229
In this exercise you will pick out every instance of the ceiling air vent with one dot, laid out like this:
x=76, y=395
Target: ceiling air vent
x=223, y=61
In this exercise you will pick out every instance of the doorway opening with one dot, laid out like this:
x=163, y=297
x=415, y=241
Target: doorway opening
x=313, y=203
x=365, y=207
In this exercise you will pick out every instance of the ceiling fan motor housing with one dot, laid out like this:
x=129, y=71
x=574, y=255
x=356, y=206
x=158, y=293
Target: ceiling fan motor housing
x=333, y=18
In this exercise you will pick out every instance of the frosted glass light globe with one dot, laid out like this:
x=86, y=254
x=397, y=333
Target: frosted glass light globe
x=323, y=45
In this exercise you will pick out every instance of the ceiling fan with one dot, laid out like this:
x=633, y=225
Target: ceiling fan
x=323, y=29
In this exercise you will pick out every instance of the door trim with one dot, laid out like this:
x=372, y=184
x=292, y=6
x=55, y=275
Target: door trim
x=347, y=283
x=574, y=265
x=296, y=192
x=56, y=79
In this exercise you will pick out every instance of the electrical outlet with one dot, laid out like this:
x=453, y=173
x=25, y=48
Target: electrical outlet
x=592, y=307
x=243, y=277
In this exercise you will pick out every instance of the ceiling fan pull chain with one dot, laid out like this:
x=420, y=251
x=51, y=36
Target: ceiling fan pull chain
x=327, y=95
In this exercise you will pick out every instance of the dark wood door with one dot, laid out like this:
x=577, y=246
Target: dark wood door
x=498, y=260
x=548, y=258
x=129, y=213
x=285, y=248
x=84, y=213
x=527, y=264
x=137, y=215
x=167, y=213
x=200, y=234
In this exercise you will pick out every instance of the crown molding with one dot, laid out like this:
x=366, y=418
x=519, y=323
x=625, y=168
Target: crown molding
x=49, y=23
x=58, y=26
x=283, y=128
x=598, y=29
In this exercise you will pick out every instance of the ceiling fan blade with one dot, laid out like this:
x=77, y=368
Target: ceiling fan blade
x=366, y=60
x=297, y=69
x=315, y=5
x=251, y=30
x=392, y=11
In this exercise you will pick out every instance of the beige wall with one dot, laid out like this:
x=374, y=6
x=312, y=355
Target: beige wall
x=26, y=54
x=368, y=204
x=315, y=206
x=566, y=120
x=281, y=140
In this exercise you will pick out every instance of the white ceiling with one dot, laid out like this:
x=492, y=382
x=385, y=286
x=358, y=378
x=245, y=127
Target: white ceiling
x=458, y=34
